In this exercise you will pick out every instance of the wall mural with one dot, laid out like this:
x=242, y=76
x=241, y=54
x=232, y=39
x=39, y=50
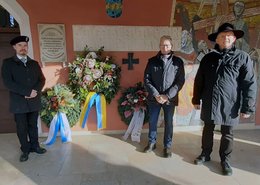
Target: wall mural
x=198, y=18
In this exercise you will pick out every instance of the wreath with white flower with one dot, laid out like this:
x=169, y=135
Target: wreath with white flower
x=132, y=99
x=59, y=99
x=90, y=71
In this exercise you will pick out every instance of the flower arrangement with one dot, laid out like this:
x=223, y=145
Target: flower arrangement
x=59, y=99
x=133, y=99
x=92, y=72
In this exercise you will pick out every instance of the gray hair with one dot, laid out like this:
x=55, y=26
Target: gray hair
x=166, y=37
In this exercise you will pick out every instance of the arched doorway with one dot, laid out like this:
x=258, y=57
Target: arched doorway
x=9, y=29
x=6, y=33
x=22, y=18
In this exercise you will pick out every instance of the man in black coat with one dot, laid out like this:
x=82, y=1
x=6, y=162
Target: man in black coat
x=225, y=86
x=163, y=79
x=24, y=79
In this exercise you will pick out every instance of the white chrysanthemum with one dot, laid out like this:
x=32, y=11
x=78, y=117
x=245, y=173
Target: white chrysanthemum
x=92, y=55
x=77, y=70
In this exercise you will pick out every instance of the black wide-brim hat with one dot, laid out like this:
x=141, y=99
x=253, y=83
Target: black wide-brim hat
x=224, y=28
x=19, y=39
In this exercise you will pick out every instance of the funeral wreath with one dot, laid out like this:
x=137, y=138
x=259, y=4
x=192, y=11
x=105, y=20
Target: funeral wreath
x=132, y=99
x=90, y=71
x=59, y=99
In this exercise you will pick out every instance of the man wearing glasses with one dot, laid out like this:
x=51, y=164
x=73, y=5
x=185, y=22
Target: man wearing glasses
x=163, y=79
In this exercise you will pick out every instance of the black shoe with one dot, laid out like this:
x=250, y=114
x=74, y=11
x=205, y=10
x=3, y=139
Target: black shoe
x=226, y=168
x=150, y=147
x=38, y=150
x=24, y=157
x=201, y=159
x=167, y=153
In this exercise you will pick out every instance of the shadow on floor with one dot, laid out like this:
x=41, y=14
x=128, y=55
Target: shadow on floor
x=187, y=145
x=76, y=163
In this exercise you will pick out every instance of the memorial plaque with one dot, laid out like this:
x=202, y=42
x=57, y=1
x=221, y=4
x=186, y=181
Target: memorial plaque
x=124, y=38
x=52, y=42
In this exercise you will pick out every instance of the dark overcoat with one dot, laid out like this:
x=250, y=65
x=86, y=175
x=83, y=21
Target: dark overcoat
x=20, y=80
x=226, y=84
x=164, y=79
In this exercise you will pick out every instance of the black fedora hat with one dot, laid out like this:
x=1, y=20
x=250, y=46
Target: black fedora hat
x=223, y=28
x=19, y=39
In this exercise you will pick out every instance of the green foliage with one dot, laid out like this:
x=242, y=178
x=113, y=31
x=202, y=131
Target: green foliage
x=59, y=99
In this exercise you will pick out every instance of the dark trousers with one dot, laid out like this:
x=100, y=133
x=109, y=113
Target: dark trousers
x=226, y=142
x=154, y=111
x=27, y=130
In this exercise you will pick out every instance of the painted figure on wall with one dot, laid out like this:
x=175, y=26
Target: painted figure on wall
x=239, y=23
x=198, y=18
x=202, y=50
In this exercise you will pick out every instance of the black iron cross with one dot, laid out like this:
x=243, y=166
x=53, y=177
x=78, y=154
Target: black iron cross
x=130, y=61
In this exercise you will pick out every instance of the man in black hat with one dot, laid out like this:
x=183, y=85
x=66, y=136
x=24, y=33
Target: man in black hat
x=224, y=89
x=24, y=79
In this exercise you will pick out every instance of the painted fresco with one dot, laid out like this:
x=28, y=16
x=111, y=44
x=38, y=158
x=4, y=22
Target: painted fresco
x=198, y=18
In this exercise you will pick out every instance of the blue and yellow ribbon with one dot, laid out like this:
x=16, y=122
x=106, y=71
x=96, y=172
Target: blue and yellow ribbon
x=100, y=101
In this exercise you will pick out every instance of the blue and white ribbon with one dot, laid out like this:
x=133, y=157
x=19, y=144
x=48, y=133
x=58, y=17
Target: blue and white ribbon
x=59, y=123
x=135, y=126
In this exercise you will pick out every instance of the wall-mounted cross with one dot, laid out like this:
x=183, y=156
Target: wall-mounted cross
x=130, y=61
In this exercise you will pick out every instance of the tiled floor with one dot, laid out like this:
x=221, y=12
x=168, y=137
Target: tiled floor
x=95, y=159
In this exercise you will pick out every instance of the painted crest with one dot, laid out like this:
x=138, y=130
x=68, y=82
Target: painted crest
x=114, y=8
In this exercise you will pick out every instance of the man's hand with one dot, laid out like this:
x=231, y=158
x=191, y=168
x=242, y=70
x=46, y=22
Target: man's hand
x=32, y=95
x=243, y=115
x=161, y=99
x=158, y=99
x=197, y=107
x=164, y=98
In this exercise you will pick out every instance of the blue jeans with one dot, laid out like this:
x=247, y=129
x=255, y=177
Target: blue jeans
x=154, y=111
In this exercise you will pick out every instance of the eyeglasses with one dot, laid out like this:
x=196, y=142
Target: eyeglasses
x=165, y=45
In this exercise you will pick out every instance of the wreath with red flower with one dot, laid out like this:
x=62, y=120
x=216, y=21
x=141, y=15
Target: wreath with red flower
x=132, y=99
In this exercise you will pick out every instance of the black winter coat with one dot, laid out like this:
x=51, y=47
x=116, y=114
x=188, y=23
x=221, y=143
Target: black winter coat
x=225, y=82
x=164, y=79
x=20, y=80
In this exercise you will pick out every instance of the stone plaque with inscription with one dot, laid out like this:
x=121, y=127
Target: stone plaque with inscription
x=124, y=38
x=52, y=42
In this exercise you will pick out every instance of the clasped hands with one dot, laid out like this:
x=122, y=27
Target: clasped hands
x=162, y=99
x=32, y=95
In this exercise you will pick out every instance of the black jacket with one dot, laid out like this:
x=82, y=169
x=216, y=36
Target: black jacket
x=164, y=79
x=20, y=80
x=226, y=84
